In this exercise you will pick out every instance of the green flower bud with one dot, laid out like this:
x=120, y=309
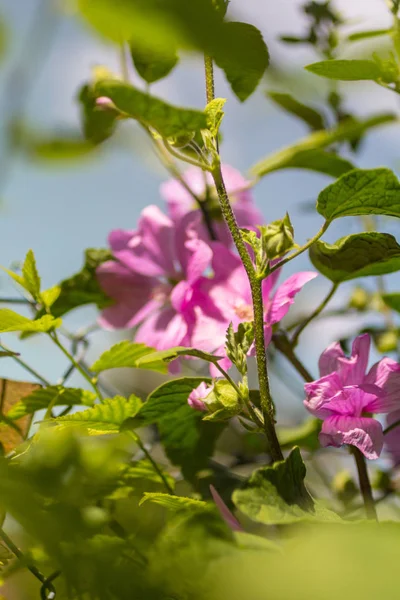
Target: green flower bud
x=359, y=299
x=222, y=402
x=277, y=237
x=387, y=341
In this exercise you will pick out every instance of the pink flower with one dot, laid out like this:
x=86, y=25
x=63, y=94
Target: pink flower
x=154, y=278
x=229, y=291
x=198, y=395
x=180, y=201
x=346, y=396
x=224, y=511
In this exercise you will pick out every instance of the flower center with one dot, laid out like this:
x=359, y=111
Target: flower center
x=161, y=292
x=244, y=311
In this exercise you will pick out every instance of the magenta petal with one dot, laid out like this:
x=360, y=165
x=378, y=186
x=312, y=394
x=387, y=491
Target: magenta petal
x=285, y=294
x=386, y=375
x=120, y=238
x=364, y=433
x=199, y=261
x=328, y=361
x=352, y=370
x=319, y=394
x=197, y=396
x=164, y=329
x=224, y=511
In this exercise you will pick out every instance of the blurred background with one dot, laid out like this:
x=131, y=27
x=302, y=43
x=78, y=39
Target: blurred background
x=60, y=207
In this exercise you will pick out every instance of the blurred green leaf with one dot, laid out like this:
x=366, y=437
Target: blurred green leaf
x=304, y=435
x=215, y=114
x=302, y=150
x=60, y=148
x=82, y=288
x=153, y=63
x=187, y=439
x=277, y=495
x=363, y=35
x=175, y=503
x=347, y=70
x=55, y=395
x=107, y=417
x=361, y=192
x=357, y=255
x=144, y=469
x=167, y=120
x=309, y=115
x=12, y=321
x=3, y=38
x=392, y=300
x=132, y=355
x=98, y=122
x=244, y=74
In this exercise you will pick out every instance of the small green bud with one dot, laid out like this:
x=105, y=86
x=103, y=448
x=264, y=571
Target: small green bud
x=222, y=402
x=387, y=341
x=277, y=237
x=359, y=299
x=345, y=487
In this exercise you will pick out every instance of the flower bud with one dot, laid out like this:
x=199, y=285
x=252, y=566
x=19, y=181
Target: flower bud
x=277, y=237
x=197, y=397
x=387, y=342
x=359, y=299
x=222, y=402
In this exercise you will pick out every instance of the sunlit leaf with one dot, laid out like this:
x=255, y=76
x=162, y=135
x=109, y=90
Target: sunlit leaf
x=129, y=354
x=30, y=275
x=174, y=503
x=363, y=35
x=347, y=70
x=12, y=321
x=152, y=360
x=56, y=395
x=357, y=255
x=361, y=192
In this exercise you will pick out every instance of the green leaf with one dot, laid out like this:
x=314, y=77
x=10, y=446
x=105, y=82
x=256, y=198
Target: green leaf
x=31, y=276
x=49, y=296
x=307, y=114
x=187, y=439
x=167, y=120
x=98, y=123
x=363, y=35
x=153, y=63
x=129, y=354
x=174, y=503
x=107, y=417
x=304, y=435
x=83, y=288
x=215, y=114
x=247, y=60
x=277, y=495
x=12, y=321
x=347, y=70
x=54, y=394
x=392, y=300
x=300, y=153
x=144, y=469
x=153, y=359
x=60, y=148
x=361, y=192
x=357, y=255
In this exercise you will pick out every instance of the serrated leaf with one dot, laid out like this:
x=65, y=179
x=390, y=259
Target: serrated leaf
x=357, y=255
x=12, y=321
x=49, y=296
x=107, y=417
x=309, y=115
x=152, y=360
x=277, y=495
x=132, y=355
x=361, y=192
x=166, y=119
x=31, y=276
x=153, y=63
x=83, y=288
x=372, y=33
x=304, y=435
x=174, y=503
x=297, y=153
x=144, y=469
x=392, y=300
x=41, y=398
x=187, y=439
x=244, y=67
x=346, y=70
x=215, y=114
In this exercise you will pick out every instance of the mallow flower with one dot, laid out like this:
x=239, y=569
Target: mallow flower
x=154, y=278
x=346, y=396
x=180, y=201
x=229, y=291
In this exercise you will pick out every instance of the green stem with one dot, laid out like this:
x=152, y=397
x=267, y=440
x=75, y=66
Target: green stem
x=155, y=466
x=365, y=485
x=77, y=366
x=302, y=249
x=14, y=301
x=392, y=426
x=23, y=364
x=209, y=72
x=183, y=157
x=314, y=314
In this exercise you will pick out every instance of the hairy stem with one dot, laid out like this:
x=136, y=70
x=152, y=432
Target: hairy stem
x=314, y=314
x=365, y=485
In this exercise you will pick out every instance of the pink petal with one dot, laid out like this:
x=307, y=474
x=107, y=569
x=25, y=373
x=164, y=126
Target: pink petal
x=352, y=370
x=328, y=361
x=364, y=433
x=319, y=394
x=196, y=396
x=392, y=439
x=386, y=375
x=351, y=401
x=179, y=200
x=119, y=239
x=200, y=259
x=285, y=294
x=164, y=329
x=224, y=511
